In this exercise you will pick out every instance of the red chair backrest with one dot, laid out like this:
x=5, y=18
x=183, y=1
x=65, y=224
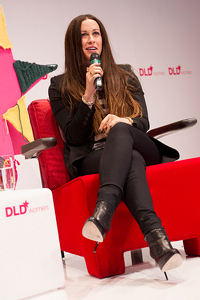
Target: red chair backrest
x=52, y=167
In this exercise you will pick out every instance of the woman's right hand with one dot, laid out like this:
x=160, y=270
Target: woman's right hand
x=93, y=71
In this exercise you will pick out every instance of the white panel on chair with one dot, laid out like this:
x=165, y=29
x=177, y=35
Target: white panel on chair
x=30, y=257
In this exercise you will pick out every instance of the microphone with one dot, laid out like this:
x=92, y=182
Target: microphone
x=95, y=57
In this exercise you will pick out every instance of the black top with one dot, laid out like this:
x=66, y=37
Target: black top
x=77, y=125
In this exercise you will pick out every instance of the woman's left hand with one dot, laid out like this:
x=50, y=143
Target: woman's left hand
x=110, y=120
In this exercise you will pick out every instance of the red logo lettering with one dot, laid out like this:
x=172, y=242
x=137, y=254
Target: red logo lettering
x=22, y=209
x=173, y=71
x=16, y=211
x=144, y=72
x=9, y=211
x=15, y=214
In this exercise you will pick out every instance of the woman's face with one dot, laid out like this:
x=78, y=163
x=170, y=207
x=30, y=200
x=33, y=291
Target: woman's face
x=91, y=39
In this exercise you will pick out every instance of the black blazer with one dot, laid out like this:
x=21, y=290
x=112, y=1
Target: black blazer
x=77, y=124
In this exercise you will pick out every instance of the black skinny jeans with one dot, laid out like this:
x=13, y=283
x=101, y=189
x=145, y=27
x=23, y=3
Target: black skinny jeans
x=122, y=170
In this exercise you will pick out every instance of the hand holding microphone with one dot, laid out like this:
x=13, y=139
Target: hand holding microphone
x=93, y=79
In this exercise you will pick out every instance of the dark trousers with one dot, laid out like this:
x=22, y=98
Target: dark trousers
x=122, y=170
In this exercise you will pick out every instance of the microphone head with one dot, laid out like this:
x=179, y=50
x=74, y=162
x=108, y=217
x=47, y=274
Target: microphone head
x=95, y=57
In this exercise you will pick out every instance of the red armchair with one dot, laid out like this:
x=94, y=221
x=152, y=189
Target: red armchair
x=174, y=187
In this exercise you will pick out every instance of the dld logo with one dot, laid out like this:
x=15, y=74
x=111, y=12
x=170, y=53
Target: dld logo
x=173, y=71
x=144, y=72
x=16, y=211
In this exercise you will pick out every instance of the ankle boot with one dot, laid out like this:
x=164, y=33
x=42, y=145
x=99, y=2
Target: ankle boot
x=162, y=251
x=96, y=227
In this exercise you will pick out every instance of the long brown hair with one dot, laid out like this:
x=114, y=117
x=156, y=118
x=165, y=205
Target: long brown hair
x=116, y=82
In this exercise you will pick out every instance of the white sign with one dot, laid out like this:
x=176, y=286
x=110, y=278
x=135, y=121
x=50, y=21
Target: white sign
x=30, y=256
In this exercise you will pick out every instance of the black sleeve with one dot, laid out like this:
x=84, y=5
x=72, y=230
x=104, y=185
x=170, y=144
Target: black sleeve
x=76, y=124
x=141, y=123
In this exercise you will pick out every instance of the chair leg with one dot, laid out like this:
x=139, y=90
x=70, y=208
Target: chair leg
x=105, y=262
x=192, y=246
x=62, y=254
x=136, y=256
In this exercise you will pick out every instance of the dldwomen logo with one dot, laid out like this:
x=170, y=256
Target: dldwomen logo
x=146, y=72
x=174, y=71
x=23, y=209
x=149, y=72
x=171, y=71
x=178, y=71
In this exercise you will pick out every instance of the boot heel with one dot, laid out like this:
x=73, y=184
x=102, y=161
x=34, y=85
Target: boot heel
x=93, y=230
x=95, y=249
x=166, y=275
x=97, y=226
x=170, y=261
x=162, y=251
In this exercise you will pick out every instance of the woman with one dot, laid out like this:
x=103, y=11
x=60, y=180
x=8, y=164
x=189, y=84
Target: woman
x=105, y=133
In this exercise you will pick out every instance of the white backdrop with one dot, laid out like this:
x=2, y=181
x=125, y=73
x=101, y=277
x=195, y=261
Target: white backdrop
x=159, y=38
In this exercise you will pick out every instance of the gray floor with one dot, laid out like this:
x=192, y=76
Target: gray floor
x=139, y=282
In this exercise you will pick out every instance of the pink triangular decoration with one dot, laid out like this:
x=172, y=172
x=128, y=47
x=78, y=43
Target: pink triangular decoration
x=10, y=93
